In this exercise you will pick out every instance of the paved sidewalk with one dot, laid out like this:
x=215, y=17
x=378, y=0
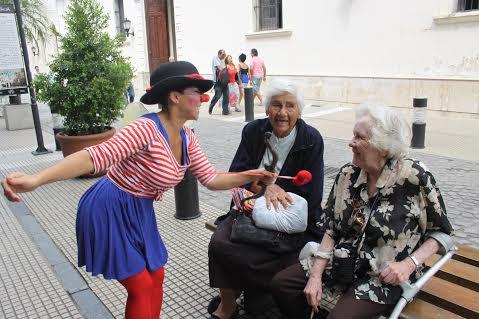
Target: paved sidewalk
x=34, y=287
x=29, y=288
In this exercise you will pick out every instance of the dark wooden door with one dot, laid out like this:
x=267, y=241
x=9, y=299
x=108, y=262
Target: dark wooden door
x=157, y=32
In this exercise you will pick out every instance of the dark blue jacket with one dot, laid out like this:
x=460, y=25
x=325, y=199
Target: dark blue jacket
x=306, y=153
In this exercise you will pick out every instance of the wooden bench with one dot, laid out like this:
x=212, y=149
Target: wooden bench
x=452, y=293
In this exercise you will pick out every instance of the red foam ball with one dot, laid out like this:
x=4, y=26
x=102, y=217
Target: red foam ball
x=302, y=178
x=204, y=98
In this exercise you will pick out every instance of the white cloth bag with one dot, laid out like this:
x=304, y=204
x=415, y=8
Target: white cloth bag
x=293, y=219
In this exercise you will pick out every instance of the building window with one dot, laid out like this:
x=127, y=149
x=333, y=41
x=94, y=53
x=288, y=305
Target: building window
x=269, y=14
x=468, y=5
x=119, y=16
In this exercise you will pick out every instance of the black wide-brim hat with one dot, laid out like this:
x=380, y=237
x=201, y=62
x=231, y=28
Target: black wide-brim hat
x=174, y=76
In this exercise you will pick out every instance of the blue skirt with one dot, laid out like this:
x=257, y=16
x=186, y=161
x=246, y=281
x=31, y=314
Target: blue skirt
x=117, y=234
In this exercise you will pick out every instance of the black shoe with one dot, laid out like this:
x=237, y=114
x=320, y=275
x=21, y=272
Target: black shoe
x=213, y=305
x=226, y=113
x=209, y=112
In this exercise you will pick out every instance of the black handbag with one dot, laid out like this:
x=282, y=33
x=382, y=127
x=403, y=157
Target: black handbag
x=343, y=267
x=244, y=231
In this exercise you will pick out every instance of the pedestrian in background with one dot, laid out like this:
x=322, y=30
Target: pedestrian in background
x=37, y=71
x=221, y=88
x=130, y=93
x=234, y=84
x=243, y=70
x=257, y=72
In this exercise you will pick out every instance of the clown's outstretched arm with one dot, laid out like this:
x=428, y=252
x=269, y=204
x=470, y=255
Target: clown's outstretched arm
x=225, y=182
x=74, y=165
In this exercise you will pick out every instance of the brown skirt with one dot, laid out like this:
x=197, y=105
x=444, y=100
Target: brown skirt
x=241, y=266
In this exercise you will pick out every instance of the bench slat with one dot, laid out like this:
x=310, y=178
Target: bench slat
x=468, y=255
x=452, y=295
x=458, y=272
x=424, y=310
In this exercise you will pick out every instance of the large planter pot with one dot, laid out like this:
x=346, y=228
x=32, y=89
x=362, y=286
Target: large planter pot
x=72, y=144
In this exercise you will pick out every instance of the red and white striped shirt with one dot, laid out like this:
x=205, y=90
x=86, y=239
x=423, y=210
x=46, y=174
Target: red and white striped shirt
x=141, y=162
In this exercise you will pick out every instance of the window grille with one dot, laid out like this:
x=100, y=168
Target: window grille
x=467, y=5
x=269, y=14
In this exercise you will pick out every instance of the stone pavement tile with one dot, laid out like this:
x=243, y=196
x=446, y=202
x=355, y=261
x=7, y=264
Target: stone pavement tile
x=25, y=277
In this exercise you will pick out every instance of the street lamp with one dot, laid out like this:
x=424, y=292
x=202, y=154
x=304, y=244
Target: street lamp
x=34, y=50
x=127, y=27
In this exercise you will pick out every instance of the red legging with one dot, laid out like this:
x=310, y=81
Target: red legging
x=145, y=294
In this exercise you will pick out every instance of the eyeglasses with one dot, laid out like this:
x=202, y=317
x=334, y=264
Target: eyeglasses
x=278, y=106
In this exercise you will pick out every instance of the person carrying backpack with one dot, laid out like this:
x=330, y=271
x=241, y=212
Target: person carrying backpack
x=221, y=78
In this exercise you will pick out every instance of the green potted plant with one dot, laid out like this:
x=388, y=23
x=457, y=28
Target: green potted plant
x=87, y=79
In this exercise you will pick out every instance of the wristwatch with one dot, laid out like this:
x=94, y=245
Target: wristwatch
x=414, y=260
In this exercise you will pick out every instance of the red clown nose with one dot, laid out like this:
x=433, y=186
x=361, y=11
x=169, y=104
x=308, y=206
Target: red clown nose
x=204, y=98
x=302, y=178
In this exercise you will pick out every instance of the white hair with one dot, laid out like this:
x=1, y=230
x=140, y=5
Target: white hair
x=283, y=86
x=389, y=131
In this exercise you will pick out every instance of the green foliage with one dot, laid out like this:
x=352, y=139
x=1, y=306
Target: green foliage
x=35, y=21
x=87, y=80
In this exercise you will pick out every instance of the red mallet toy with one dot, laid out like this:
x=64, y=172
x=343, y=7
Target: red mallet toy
x=204, y=98
x=302, y=178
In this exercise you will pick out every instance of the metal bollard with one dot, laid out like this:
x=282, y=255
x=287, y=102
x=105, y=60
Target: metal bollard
x=419, y=123
x=55, y=132
x=248, y=104
x=186, y=198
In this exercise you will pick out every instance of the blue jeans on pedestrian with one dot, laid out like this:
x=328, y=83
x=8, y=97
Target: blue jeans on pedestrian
x=219, y=91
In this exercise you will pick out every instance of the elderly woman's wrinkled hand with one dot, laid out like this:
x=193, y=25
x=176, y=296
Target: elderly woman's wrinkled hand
x=397, y=272
x=314, y=292
x=275, y=194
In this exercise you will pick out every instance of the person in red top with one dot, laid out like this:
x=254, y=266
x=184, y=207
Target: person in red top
x=235, y=84
x=117, y=234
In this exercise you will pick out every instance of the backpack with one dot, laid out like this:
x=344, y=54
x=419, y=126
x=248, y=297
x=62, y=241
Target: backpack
x=223, y=78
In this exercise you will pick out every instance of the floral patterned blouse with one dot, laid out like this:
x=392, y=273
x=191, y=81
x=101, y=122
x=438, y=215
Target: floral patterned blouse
x=405, y=208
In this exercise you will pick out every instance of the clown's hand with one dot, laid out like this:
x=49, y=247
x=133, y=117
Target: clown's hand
x=16, y=183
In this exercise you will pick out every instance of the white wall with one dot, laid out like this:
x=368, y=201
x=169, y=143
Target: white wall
x=367, y=38
x=347, y=51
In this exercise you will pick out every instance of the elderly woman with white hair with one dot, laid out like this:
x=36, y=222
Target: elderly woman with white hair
x=377, y=222
x=236, y=267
